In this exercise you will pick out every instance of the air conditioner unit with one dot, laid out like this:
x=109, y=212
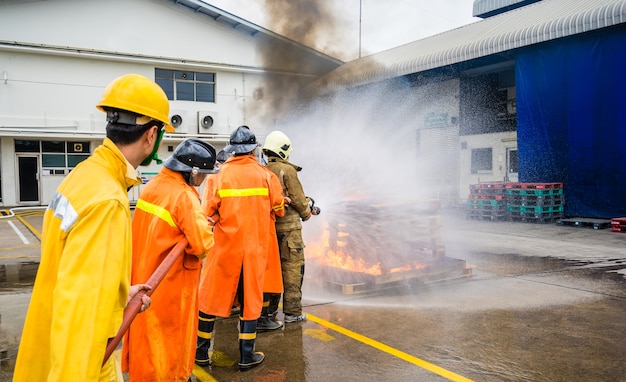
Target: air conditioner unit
x=207, y=122
x=180, y=121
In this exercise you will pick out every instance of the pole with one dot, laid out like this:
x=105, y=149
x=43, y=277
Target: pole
x=360, y=18
x=133, y=307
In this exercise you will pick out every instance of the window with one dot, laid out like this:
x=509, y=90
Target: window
x=180, y=85
x=57, y=157
x=27, y=146
x=481, y=161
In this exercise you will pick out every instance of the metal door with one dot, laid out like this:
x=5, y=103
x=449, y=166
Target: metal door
x=28, y=178
x=511, y=165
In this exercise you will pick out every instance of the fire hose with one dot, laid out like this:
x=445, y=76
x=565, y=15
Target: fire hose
x=315, y=210
x=134, y=306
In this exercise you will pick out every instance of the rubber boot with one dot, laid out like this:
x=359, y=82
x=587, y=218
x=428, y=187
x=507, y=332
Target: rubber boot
x=273, y=308
x=248, y=358
x=206, y=324
x=265, y=323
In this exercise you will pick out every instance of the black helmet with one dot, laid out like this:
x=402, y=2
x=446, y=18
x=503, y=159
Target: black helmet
x=242, y=141
x=222, y=156
x=192, y=154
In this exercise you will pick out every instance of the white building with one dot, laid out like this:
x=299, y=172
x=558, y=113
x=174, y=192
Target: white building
x=57, y=56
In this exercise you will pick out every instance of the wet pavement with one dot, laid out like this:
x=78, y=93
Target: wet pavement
x=544, y=303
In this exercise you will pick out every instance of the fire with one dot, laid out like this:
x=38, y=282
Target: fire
x=340, y=260
x=320, y=251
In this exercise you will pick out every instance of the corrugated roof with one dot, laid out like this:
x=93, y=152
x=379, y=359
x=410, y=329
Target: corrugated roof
x=487, y=8
x=539, y=22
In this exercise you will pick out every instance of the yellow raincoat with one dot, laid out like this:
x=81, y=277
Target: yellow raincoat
x=246, y=199
x=161, y=342
x=83, y=279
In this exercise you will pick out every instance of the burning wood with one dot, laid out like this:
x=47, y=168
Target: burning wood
x=375, y=244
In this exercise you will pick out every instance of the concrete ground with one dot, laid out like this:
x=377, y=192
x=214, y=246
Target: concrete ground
x=545, y=303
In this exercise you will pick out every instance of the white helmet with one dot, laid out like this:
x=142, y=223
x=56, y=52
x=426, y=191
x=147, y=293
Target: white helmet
x=278, y=143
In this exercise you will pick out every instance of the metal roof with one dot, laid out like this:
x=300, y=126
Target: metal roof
x=218, y=14
x=535, y=23
x=487, y=8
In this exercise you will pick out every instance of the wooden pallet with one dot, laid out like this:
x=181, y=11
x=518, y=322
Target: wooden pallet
x=352, y=283
x=585, y=222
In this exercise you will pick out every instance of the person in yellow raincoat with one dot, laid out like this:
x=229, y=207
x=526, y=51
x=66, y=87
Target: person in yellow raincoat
x=246, y=198
x=83, y=281
x=160, y=344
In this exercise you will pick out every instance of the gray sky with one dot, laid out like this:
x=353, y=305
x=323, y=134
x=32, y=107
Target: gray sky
x=384, y=24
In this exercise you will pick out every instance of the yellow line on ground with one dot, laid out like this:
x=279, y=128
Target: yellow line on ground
x=388, y=349
x=18, y=257
x=19, y=247
x=202, y=375
x=30, y=227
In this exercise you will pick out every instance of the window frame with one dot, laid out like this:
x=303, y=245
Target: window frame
x=481, y=160
x=179, y=84
x=50, y=151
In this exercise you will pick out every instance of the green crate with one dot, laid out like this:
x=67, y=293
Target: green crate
x=486, y=202
x=534, y=192
x=535, y=209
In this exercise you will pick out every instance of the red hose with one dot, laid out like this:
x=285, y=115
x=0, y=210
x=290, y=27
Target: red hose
x=134, y=306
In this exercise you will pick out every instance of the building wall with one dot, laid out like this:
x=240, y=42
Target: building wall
x=499, y=143
x=437, y=137
x=57, y=56
x=54, y=98
x=140, y=27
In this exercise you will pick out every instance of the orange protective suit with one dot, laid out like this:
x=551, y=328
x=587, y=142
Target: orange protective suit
x=246, y=198
x=160, y=344
x=273, y=281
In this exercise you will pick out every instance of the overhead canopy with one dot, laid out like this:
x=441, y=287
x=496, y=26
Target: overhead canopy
x=535, y=23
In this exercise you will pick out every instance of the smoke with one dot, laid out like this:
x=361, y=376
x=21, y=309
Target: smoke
x=358, y=147
x=312, y=23
x=358, y=144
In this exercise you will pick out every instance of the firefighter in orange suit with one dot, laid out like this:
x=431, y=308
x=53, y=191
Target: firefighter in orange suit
x=83, y=282
x=246, y=197
x=160, y=344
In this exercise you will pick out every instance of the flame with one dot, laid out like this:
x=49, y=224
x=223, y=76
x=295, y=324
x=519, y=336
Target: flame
x=320, y=252
x=340, y=260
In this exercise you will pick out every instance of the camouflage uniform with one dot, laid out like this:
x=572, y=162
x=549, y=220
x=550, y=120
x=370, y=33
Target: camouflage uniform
x=289, y=234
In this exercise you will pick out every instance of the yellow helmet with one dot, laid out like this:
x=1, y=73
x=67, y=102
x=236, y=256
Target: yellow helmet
x=278, y=143
x=137, y=94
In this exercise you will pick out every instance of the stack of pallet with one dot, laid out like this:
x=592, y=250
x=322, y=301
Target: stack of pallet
x=618, y=224
x=371, y=246
x=534, y=202
x=487, y=201
x=514, y=201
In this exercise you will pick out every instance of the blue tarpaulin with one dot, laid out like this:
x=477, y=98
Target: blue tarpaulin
x=571, y=120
